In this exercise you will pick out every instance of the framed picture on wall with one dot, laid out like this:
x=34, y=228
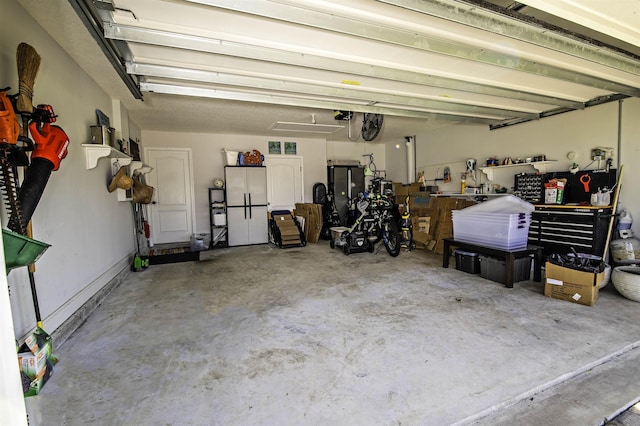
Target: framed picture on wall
x=134, y=150
x=290, y=148
x=275, y=147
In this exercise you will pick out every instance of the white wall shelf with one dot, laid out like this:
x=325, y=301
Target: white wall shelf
x=540, y=166
x=94, y=152
x=139, y=167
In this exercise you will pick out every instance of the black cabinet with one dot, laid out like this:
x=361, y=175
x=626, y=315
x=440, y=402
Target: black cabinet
x=559, y=228
x=345, y=182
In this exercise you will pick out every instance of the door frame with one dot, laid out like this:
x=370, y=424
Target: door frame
x=151, y=206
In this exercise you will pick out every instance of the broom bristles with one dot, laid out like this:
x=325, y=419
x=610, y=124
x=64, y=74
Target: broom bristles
x=28, y=65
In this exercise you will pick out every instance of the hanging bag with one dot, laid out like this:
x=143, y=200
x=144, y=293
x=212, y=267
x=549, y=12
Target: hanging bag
x=142, y=193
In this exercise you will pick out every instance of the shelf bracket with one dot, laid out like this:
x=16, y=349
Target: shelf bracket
x=139, y=167
x=94, y=152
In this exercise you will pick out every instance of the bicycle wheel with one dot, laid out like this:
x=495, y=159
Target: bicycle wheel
x=391, y=238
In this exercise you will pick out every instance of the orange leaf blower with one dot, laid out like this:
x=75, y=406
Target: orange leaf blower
x=51, y=147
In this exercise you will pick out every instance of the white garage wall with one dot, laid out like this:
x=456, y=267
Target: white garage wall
x=209, y=160
x=90, y=232
x=577, y=131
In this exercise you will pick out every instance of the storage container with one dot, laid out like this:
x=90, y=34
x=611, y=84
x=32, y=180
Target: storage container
x=467, y=262
x=494, y=269
x=336, y=235
x=501, y=223
x=230, y=157
x=219, y=219
x=200, y=242
x=103, y=135
x=497, y=230
x=505, y=204
x=625, y=251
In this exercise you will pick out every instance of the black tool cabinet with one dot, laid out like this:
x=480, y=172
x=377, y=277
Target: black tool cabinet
x=345, y=183
x=559, y=228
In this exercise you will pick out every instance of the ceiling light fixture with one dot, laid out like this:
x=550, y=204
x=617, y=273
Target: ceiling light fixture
x=287, y=126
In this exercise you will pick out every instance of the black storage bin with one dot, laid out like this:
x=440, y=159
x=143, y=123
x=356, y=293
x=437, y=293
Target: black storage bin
x=495, y=270
x=467, y=262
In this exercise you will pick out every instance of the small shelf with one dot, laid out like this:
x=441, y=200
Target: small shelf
x=139, y=167
x=540, y=166
x=94, y=152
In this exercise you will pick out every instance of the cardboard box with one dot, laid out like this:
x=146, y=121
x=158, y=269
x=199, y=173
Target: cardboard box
x=312, y=214
x=36, y=360
x=572, y=285
x=424, y=222
x=400, y=190
x=421, y=237
x=419, y=200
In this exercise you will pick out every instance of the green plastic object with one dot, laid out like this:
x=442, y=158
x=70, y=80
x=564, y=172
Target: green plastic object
x=20, y=250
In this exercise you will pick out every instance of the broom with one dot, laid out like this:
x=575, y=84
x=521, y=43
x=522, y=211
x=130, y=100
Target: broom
x=28, y=62
x=28, y=65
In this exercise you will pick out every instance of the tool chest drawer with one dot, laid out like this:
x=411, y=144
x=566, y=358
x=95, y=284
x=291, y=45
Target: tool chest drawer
x=559, y=228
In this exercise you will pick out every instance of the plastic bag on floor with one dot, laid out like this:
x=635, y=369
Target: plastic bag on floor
x=580, y=261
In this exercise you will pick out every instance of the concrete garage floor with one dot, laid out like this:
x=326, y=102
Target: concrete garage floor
x=308, y=336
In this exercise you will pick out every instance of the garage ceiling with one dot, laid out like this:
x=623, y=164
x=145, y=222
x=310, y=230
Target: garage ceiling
x=239, y=66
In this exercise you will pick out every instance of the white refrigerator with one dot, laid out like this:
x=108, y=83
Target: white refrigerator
x=246, y=197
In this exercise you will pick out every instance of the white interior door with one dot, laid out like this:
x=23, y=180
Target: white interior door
x=171, y=213
x=284, y=182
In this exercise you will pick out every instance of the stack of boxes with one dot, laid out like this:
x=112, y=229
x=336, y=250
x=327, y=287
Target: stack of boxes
x=501, y=223
x=430, y=216
x=289, y=232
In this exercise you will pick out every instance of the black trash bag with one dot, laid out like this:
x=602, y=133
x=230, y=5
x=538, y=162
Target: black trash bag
x=579, y=261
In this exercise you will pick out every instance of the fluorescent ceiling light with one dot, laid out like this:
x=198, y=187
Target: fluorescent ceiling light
x=287, y=126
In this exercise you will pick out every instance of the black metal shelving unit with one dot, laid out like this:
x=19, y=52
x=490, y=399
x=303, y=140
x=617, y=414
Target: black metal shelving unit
x=218, y=217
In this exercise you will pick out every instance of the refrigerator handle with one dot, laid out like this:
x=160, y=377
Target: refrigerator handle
x=250, y=206
x=245, y=206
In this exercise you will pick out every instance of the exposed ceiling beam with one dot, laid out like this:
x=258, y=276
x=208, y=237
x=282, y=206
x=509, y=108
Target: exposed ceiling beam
x=410, y=38
x=292, y=57
x=329, y=104
x=370, y=96
x=477, y=14
x=557, y=111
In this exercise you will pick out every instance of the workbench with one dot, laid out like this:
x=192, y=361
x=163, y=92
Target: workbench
x=509, y=257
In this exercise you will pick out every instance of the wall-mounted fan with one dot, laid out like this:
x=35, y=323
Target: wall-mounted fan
x=371, y=126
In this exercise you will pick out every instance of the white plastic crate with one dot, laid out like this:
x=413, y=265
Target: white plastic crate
x=501, y=231
x=505, y=204
x=501, y=223
x=230, y=157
